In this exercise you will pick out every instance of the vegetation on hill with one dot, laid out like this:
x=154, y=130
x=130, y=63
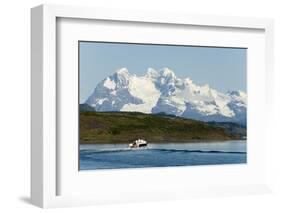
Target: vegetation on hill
x=86, y=108
x=124, y=127
x=232, y=128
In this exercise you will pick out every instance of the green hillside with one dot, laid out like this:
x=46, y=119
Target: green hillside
x=124, y=127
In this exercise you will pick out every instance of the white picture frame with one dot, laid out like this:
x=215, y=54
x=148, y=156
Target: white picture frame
x=45, y=152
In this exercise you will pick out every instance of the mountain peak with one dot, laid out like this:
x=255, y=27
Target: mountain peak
x=122, y=71
x=121, y=77
x=167, y=72
x=236, y=93
x=152, y=71
x=188, y=81
x=161, y=91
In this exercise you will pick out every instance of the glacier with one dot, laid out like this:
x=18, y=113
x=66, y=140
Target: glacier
x=161, y=91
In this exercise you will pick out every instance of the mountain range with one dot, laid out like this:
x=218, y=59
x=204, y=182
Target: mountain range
x=161, y=91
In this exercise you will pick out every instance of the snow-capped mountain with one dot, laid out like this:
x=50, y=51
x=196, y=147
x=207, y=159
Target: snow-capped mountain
x=161, y=91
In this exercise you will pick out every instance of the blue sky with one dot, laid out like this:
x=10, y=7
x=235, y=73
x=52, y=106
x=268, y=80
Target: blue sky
x=222, y=68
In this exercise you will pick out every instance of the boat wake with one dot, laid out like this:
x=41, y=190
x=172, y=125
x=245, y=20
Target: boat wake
x=147, y=149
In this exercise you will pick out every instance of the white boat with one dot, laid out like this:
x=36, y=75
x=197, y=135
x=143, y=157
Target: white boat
x=138, y=143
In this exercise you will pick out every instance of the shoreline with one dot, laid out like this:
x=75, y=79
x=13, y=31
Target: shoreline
x=161, y=142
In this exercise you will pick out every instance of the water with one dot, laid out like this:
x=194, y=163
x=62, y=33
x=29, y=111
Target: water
x=116, y=156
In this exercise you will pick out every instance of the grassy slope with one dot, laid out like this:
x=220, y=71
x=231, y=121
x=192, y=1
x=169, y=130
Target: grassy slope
x=124, y=127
